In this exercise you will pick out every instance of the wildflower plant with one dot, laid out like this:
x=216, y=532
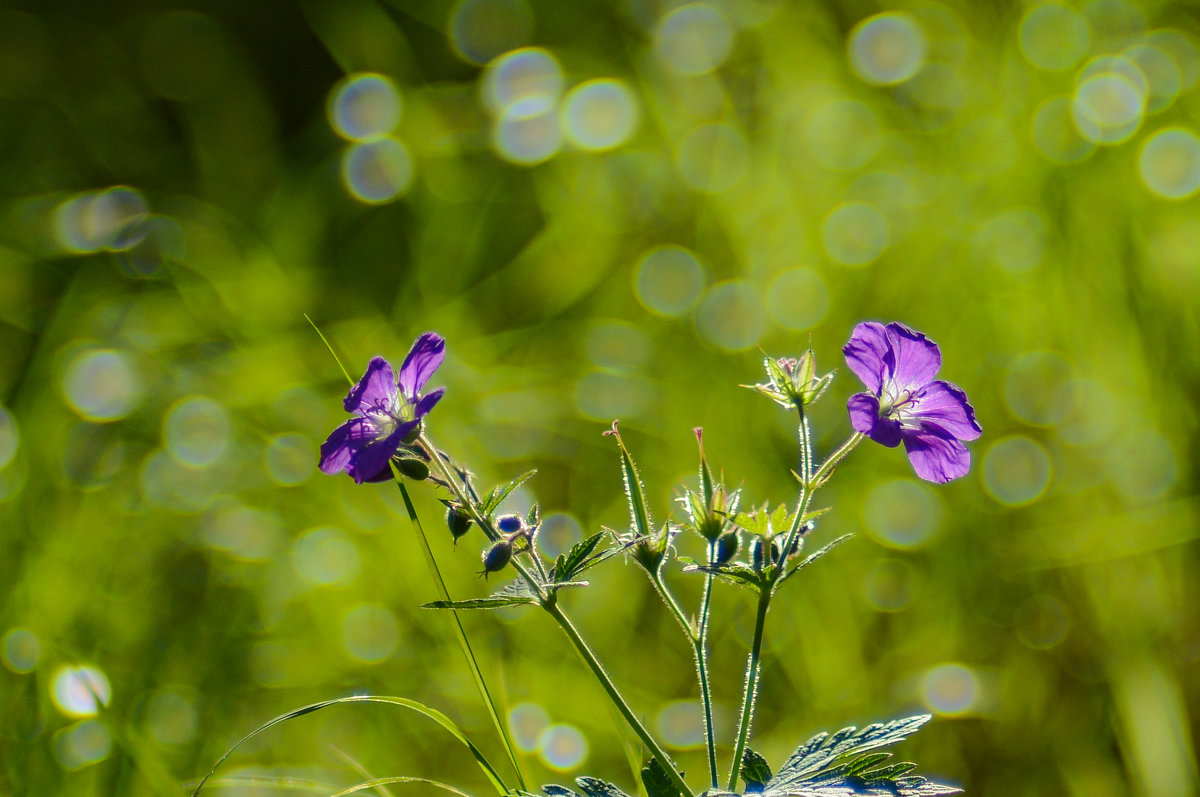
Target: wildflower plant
x=757, y=549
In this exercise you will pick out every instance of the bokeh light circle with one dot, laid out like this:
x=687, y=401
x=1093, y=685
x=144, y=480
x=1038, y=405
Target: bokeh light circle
x=112, y=219
x=562, y=747
x=10, y=437
x=713, y=157
x=887, y=48
x=599, y=115
x=797, y=299
x=1042, y=622
x=668, y=280
x=693, y=39
x=196, y=431
x=1039, y=388
x=1055, y=134
x=82, y=745
x=843, y=134
x=370, y=633
x=1054, y=37
x=888, y=585
x=80, y=691
x=1016, y=471
x=325, y=557
x=525, y=82
x=902, y=513
x=480, y=30
x=364, y=106
x=950, y=689
x=730, y=316
x=681, y=724
x=1183, y=51
x=558, y=532
x=526, y=722
x=291, y=458
x=1108, y=107
x=21, y=650
x=1169, y=164
x=855, y=234
x=102, y=385
x=378, y=170
x=1163, y=79
x=527, y=139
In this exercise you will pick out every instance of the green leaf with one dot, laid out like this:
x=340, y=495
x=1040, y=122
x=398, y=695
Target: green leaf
x=841, y=764
x=814, y=556
x=497, y=494
x=403, y=702
x=480, y=603
x=554, y=790
x=656, y=780
x=738, y=573
x=755, y=770
x=573, y=562
x=594, y=787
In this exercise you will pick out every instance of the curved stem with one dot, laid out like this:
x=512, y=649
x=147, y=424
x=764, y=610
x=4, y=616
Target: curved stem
x=702, y=668
x=751, y=694
x=672, y=604
x=634, y=723
x=837, y=456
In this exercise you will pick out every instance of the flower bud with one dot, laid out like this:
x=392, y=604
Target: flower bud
x=778, y=542
x=458, y=520
x=510, y=524
x=793, y=382
x=414, y=469
x=727, y=547
x=760, y=553
x=497, y=557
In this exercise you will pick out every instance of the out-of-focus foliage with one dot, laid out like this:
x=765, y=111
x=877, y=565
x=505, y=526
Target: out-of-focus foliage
x=604, y=207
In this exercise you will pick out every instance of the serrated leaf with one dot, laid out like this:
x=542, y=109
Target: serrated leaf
x=656, y=780
x=594, y=787
x=840, y=764
x=554, y=790
x=756, y=772
x=498, y=493
x=570, y=562
x=734, y=572
x=814, y=556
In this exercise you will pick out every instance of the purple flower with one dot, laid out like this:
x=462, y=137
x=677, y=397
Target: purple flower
x=386, y=411
x=904, y=403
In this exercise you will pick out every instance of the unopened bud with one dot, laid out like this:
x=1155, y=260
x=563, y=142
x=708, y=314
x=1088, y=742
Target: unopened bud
x=778, y=542
x=727, y=547
x=458, y=521
x=759, y=553
x=497, y=557
x=510, y=524
x=414, y=469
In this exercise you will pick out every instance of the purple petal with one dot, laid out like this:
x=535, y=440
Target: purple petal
x=423, y=359
x=337, y=452
x=915, y=358
x=936, y=458
x=373, y=458
x=429, y=401
x=864, y=417
x=866, y=353
x=377, y=388
x=945, y=405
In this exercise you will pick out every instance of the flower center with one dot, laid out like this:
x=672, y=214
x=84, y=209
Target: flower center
x=896, y=404
x=385, y=419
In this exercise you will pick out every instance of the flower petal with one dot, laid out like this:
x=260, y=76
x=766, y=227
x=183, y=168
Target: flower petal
x=429, y=401
x=936, y=458
x=866, y=354
x=377, y=388
x=864, y=417
x=915, y=358
x=373, y=458
x=423, y=359
x=945, y=405
x=337, y=452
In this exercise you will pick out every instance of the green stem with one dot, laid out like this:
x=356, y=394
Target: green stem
x=751, y=694
x=702, y=668
x=837, y=456
x=673, y=605
x=634, y=723
x=461, y=634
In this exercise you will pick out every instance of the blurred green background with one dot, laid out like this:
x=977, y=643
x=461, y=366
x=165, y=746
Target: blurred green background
x=605, y=208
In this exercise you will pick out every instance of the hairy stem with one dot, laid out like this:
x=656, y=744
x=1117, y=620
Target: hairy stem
x=751, y=693
x=702, y=668
x=631, y=719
